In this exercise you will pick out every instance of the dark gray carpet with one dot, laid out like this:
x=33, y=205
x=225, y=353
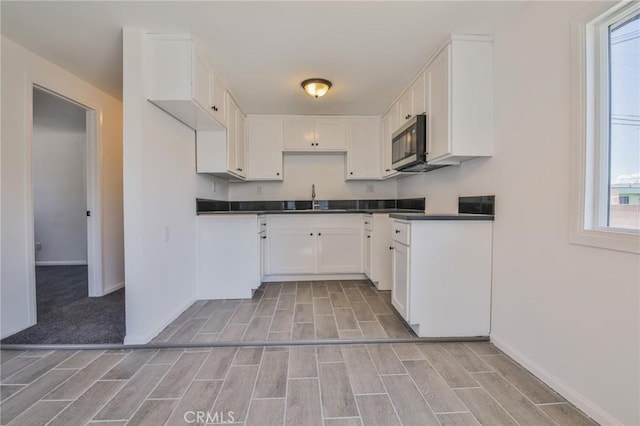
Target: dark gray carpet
x=67, y=315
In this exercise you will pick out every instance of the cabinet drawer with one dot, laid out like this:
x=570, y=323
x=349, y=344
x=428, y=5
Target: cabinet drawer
x=368, y=222
x=401, y=232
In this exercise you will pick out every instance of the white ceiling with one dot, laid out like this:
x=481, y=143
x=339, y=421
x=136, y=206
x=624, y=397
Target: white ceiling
x=263, y=50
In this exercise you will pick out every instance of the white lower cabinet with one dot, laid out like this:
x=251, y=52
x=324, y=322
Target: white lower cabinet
x=380, y=271
x=292, y=251
x=262, y=244
x=367, y=253
x=442, y=276
x=339, y=250
x=228, y=256
x=314, y=244
x=400, y=289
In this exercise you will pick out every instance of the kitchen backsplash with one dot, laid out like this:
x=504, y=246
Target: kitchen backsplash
x=205, y=205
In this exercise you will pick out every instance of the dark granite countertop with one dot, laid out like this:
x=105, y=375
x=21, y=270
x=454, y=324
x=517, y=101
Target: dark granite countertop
x=440, y=216
x=325, y=211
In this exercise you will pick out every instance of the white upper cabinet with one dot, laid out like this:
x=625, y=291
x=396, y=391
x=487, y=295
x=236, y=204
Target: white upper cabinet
x=363, y=150
x=264, y=148
x=222, y=153
x=315, y=134
x=180, y=81
x=235, y=138
x=460, y=101
x=413, y=101
x=389, y=122
x=232, y=137
x=217, y=98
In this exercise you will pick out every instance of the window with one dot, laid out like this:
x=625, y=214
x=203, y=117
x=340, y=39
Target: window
x=607, y=125
x=623, y=40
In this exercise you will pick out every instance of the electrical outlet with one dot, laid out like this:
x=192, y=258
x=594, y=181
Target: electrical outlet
x=38, y=246
x=369, y=189
x=259, y=189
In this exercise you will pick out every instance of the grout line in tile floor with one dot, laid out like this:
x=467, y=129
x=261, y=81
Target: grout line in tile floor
x=392, y=350
x=399, y=353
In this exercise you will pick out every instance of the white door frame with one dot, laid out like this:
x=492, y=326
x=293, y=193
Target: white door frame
x=93, y=185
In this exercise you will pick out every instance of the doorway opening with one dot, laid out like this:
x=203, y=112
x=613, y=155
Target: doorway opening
x=70, y=306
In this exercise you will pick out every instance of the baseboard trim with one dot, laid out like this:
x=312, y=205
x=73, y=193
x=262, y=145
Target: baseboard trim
x=570, y=394
x=139, y=339
x=313, y=277
x=61, y=263
x=112, y=288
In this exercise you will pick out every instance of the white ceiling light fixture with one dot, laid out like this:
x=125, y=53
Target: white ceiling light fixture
x=316, y=87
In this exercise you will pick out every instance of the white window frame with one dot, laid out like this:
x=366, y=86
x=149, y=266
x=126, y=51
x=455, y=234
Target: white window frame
x=590, y=125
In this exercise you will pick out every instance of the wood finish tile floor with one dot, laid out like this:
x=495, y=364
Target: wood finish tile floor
x=381, y=384
x=308, y=310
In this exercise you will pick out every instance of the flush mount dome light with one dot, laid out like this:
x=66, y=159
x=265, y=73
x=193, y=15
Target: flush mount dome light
x=316, y=87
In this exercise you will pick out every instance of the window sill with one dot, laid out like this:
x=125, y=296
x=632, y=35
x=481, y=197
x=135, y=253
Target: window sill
x=628, y=242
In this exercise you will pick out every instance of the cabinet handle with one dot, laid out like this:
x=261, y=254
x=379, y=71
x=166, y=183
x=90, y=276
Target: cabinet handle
x=368, y=236
x=311, y=234
x=397, y=231
x=387, y=170
x=278, y=174
x=390, y=248
x=366, y=223
x=351, y=173
x=319, y=234
x=215, y=108
x=239, y=170
x=264, y=238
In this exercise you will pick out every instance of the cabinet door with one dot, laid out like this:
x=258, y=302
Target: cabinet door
x=363, y=155
x=263, y=254
x=381, y=252
x=340, y=250
x=331, y=134
x=299, y=134
x=405, y=107
x=387, y=126
x=439, y=84
x=241, y=145
x=418, y=90
x=367, y=254
x=292, y=251
x=200, y=79
x=232, y=137
x=264, y=148
x=400, y=289
x=217, y=99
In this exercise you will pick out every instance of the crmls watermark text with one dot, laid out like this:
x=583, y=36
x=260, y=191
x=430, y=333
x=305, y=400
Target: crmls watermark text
x=206, y=417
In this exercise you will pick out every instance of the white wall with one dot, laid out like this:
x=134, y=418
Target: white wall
x=19, y=68
x=59, y=181
x=161, y=186
x=212, y=188
x=60, y=197
x=569, y=313
x=301, y=171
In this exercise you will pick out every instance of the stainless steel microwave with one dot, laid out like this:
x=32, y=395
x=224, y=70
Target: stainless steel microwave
x=409, y=146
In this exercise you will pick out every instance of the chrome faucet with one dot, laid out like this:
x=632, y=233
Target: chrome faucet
x=314, y=204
